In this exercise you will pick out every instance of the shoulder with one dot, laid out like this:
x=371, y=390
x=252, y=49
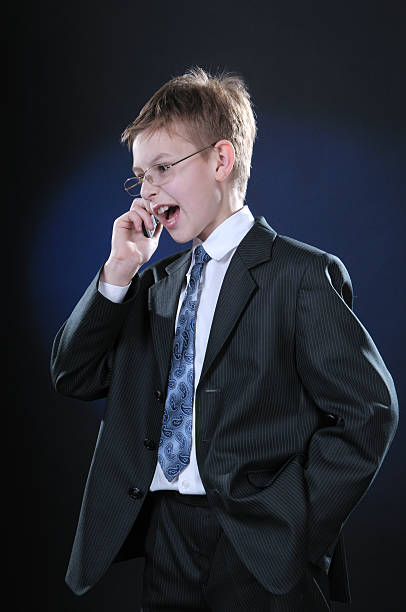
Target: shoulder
x=297, y=251
x=283, y=246
x=304, y=255
x=313, y=265
x=299, y=262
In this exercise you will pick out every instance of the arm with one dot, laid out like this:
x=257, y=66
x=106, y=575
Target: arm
x=82, y=353
x=345, y=376
x=83, y=349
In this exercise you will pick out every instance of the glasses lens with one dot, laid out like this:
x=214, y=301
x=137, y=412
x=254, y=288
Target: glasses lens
x=132, y=186
x=158, y=174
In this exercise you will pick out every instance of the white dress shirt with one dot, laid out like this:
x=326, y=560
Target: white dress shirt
x=221, y=246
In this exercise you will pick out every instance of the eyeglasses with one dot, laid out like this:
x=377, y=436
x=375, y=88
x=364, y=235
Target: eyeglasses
x=156, y=175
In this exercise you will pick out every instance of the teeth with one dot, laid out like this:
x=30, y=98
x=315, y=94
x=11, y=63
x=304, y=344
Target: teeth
x=162, y=209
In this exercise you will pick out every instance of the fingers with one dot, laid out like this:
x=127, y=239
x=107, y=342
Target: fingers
x=139, y=201
x=140, y=212
x=158, y=231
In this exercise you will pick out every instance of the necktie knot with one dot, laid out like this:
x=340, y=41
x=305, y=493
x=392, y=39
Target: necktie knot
x=201, y=256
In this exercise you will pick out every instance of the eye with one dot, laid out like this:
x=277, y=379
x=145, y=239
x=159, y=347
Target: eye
x=162, y=168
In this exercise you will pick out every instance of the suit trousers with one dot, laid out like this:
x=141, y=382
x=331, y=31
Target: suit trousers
x=191, y=565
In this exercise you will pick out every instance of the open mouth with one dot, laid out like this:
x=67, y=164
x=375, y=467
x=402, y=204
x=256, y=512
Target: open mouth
x=170, y=213
x=167, y=213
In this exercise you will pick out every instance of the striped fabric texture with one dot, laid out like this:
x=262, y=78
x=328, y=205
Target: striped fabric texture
x=295, y=408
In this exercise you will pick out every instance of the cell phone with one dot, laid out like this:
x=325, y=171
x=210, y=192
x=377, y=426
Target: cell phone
x=147, y=232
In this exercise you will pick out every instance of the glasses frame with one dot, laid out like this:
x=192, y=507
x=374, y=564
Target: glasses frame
x=144, y=176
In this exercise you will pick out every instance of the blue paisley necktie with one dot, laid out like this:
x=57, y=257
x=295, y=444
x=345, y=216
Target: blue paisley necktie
x=176, y=436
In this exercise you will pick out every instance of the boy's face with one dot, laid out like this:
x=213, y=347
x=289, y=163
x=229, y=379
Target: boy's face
x=194, y=196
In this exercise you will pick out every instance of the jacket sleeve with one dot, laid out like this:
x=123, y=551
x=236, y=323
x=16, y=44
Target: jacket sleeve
x=83, y=350
x=346, y=378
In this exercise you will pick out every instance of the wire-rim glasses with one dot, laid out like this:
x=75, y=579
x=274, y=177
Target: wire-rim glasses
x=156, y=174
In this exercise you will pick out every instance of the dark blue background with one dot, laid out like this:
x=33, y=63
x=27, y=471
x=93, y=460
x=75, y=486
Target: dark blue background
x=327, y=80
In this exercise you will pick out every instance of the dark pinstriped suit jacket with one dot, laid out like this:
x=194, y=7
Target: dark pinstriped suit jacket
x=295, y=407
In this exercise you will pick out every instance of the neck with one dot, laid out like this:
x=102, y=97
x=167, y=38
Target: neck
x=232, y=203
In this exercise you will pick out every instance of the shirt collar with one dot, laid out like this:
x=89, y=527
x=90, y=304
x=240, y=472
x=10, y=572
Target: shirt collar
x=227, y=235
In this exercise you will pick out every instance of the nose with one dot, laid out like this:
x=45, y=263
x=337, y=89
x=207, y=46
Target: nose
x=148, y=190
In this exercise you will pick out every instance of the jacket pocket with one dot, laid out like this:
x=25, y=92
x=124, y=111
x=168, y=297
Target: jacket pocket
x=264, y=478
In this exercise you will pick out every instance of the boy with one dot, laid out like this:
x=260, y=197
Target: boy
x=248, y=409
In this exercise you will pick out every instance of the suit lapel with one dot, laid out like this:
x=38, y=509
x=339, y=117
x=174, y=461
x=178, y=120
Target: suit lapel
x=162, y=304
x=238, y=286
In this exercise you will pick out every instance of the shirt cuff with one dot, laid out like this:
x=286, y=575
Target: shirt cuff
x=114, y=293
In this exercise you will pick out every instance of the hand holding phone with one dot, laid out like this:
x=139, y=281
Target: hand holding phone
x=150, y=232
x=129, y=248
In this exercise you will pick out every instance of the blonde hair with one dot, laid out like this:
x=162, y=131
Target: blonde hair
x=209, y=108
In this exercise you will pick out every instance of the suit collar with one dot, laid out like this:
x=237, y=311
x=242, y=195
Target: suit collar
x=183, y=261
x=228, y=235
x=254, y=248
x=163, y=301
x=237, y=289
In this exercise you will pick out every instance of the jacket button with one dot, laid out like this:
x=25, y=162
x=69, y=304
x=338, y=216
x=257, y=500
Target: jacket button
x=158, y=395
x=135, y=493
x=149, y=444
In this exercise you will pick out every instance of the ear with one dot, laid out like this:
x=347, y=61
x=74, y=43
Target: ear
x=225, y=159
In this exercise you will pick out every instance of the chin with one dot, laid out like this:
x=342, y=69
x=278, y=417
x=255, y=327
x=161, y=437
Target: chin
x=181, y=235
x=179, y=238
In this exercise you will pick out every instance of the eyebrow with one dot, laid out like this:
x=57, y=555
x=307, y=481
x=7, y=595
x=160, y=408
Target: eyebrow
x=153, y=161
